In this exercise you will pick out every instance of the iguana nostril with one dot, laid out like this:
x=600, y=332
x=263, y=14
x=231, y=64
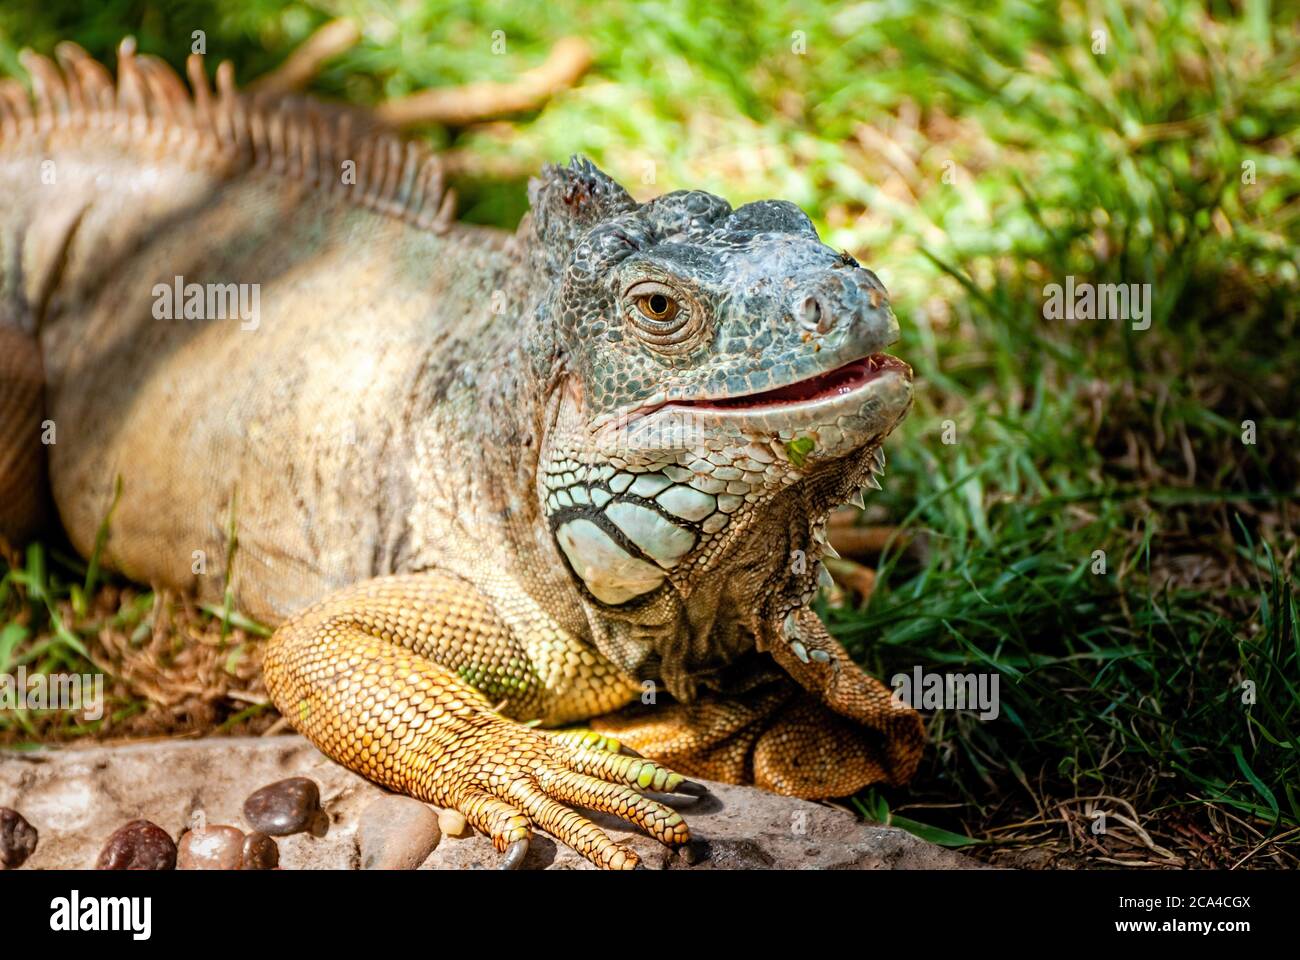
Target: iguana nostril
x=812, y=314
x=849, y=302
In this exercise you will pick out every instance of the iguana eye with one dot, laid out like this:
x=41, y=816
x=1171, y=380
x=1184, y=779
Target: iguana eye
x=664, y=318
x=657, y=307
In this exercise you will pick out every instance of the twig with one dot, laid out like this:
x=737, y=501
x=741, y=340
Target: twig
x=305, y=62
x=861, y=580
x=854, y=541
x=276, y=727
x=1274, y=840
x=476, y=102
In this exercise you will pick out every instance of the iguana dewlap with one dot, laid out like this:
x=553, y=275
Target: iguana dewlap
x=476, y=477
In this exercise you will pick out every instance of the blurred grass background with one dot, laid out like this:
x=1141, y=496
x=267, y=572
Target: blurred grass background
x=969, y=157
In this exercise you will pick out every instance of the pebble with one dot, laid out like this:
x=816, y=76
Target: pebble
x=396, y=833
x=260, y=852
x=452, y=823
x=138, y=845
x=17, y=839
x=215, y=847
x=286, y=807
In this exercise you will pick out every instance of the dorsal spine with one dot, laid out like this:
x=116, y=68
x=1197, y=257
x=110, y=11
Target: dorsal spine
x=296, y=138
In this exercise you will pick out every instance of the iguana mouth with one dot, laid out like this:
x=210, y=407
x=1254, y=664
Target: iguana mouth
x=839, y=409
x=831, y=385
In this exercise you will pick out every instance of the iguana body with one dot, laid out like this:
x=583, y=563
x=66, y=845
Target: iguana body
x=477, y=477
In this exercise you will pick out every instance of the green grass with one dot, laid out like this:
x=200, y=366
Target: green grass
x=970, y=161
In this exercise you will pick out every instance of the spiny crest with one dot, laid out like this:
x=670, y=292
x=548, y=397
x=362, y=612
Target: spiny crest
x=566, y=201
x=293, y=137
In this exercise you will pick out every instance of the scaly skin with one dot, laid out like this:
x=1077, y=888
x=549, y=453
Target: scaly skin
x=477, y=478
x=400, y=714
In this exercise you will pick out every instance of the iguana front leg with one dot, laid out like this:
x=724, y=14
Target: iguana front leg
x=828, y=729
x=388, y=678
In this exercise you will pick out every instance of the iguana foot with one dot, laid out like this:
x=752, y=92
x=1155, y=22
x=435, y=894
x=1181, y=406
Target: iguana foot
x=347, y=674
x=518, y=778
x=779, y=738
x=826, y=730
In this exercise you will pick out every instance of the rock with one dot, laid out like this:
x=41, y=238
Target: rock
x=216, y=847
x=287, y=807
x=260, y=852
x=138, y=845
x=452, y=823
x=396, y=833
x=79, y=795
x=17, y=839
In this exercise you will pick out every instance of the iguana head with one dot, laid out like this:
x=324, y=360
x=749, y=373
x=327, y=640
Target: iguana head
x=719, y=387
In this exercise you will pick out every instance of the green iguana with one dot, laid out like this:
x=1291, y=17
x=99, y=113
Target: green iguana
x=478, y=478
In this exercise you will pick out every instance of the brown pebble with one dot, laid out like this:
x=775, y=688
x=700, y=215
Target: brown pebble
x=216, y=847
x=287, y=806
x=17, y=839
x=260, y=852
x=138, y=845
x=396, y=833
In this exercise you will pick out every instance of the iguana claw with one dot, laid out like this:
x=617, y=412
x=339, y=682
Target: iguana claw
x=514, y=856
x=688, y=794
x=790, y=625
x=692, y=789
